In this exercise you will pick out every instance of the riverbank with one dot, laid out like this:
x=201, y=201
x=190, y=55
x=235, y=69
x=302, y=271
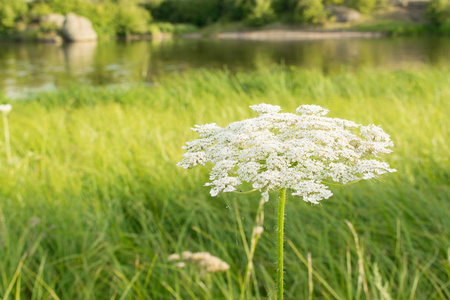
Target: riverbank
x=369, y=28
x=411, y=18
x=297, y=35
x=278, y=32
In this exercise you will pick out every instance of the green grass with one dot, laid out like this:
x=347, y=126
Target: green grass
x=92, y=203
x=403, y=28
x=389, y=27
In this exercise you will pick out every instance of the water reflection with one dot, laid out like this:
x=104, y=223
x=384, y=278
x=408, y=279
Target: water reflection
x=79, y=58
x=28, y=67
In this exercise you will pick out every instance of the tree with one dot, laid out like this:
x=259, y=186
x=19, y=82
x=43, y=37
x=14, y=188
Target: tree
x=438, y=11
x=10, y=12
x=309, y=11
x=364, y=6
x=260, y=12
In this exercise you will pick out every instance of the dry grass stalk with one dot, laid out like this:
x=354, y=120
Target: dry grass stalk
x=362, y=275
x=310, y=276
x=257, y=231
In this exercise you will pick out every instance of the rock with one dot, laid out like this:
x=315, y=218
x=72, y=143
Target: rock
x=56, y=20
x=78, y=29
x=344, y=14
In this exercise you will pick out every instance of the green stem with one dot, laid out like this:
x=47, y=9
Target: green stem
x=7, y=141
x=280, y=241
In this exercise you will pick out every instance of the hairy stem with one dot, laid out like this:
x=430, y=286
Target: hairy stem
x=280, y=241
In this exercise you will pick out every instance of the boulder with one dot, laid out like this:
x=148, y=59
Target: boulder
x=344, y=14
x=78, y=29
x=56, y=20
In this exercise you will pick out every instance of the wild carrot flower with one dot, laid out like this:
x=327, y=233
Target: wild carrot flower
x=5, y=108
x=304, y=152
x=207, y=262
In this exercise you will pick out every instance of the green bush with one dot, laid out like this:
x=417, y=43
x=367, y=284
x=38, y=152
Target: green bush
x=364, y=6
x=309, y=11
x=169, y=28
x=232, y=10
x=10, y=12
x=40, y=9
x=438, y=11
x=260, y=13
x=284, y=6
x=109, y=18
x=131, y=19
x=198, y=12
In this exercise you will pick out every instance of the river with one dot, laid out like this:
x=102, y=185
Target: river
x=27, y=68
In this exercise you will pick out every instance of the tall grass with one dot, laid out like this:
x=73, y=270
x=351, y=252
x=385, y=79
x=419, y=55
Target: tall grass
x=92, y=203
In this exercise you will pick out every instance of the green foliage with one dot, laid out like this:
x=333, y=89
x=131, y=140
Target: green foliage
x=198, y=12
x=10, y=12
x=233, y=10
x=40, y=9
x=95, y=201
x=402, y=28
x=109, y=18
x=260, y=12
x=121, y=17
x=309, y=11
x=438, y=11
x=169, y=28
x=364, y=6
x=334, y=2
x=173, y=28
x=131, y=18
x=284, y=6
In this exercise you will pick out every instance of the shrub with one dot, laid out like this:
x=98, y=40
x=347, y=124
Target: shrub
x=364, y=6
x=198, y=12
x=40, y=9
x=232, y=10
x=309, y=11
x=260, y=13
x=10, y=12
x=131, y=19
x=284, y=6
x=438, y=11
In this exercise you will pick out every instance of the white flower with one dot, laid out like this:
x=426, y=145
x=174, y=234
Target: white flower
x=302, y=152
x=312, y=110
x=5, y=108
x=266, y=108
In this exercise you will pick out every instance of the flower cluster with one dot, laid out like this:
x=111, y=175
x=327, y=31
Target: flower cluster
x=303, y=152
x=5, y=108
x=208, y=262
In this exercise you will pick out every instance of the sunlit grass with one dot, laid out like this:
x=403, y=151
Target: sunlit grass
x=92, y=203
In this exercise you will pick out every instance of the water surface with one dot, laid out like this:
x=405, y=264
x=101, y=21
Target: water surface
x=31, y=67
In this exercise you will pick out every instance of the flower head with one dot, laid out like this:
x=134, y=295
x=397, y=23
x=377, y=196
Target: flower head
x=303, y=152
x=208, y=262
x=5, y=108
x=265, y=108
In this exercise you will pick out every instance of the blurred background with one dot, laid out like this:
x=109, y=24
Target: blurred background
x=137, y=40
x=97, y=97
